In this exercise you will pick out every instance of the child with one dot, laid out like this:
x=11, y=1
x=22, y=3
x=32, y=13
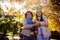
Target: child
x=28, y=27
x=43, y=31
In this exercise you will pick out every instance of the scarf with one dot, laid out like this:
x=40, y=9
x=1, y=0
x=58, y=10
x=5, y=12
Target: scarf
x=29, y=21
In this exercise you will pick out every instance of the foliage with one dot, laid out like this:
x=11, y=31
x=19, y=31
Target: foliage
x=54, y=24
x=8, y=24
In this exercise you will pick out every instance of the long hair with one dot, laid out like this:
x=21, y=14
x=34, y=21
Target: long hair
x=28, y=12
x=41, y=19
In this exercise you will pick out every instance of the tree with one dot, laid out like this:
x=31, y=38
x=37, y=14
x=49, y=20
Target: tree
x=55, y=10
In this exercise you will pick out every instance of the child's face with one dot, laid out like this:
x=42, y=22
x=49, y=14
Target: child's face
x=38, y=14
x=29, y=15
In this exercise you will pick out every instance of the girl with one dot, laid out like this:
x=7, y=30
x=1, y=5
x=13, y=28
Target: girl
x=43, y=31
x=28, y=25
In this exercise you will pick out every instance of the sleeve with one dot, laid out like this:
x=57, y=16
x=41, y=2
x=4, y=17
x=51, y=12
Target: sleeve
x=45, y=22
x=27, y=25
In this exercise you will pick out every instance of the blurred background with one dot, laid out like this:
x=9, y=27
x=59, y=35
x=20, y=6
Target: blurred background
x=12, y=16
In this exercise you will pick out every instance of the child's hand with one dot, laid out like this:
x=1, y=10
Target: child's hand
x=37, y=24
